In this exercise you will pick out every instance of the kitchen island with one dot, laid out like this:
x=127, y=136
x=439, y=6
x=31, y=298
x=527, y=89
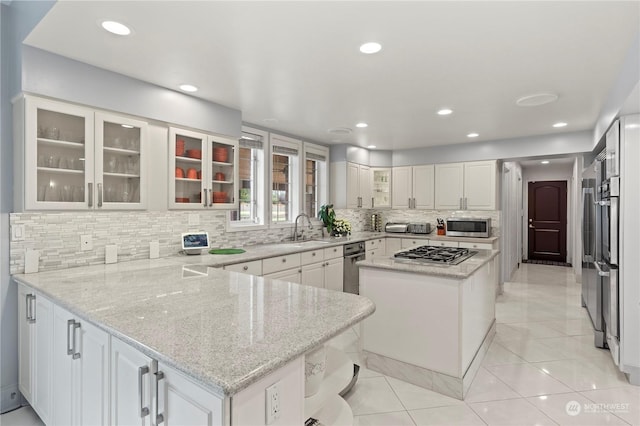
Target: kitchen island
x=230, y=335
x=433, y=322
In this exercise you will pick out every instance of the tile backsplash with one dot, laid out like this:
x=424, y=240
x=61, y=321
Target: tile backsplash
x=57, y=235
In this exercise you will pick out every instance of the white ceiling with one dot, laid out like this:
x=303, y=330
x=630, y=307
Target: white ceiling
x=299, y=62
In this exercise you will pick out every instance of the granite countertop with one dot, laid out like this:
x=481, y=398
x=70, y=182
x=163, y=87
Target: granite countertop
x=226, y=330
x=460, y=271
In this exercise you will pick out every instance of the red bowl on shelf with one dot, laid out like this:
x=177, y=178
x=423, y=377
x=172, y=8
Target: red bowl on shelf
x=179, y=172
x=182, y=199
x=219, y=197
x=180, y=147
x=194, y=153
x=219, y=176
x=192, y=174
x=220, y=155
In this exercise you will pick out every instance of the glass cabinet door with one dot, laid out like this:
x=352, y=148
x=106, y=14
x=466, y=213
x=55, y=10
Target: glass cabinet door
x=223, y=172
x=59, y=155
x=381, y=187
x=120, y=162
x=187, y=178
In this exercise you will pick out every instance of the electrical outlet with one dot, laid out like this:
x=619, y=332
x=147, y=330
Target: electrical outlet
x=272, y=403
x=194, y=219
x=86, y=243
x=17, y=233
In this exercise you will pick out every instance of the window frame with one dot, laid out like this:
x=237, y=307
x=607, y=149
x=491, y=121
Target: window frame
x=290, y=143
x=322, y=181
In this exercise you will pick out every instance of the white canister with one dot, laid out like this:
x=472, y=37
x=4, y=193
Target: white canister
x=315, y=364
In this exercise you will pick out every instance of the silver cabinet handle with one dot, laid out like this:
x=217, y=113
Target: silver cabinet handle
x=409, y=202
x=460, y=203
x=371, y=202
x=144, y=411
x=76, y=355
x=210, y=197
x=90, y=194
x=465, y=203
x=414, y=203
x=70, y=349
x=159, y=416
x=205, y=197
x=99, y=195
x=27, y=299
x=31, y=312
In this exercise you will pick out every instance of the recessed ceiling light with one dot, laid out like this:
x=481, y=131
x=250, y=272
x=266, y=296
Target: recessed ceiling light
x=371, y=146
x=188, y=88
x=473, y=135
x=445, y=111
x=560, y=124
x=340, y=131
x=270, y=120
x=361, y=125
x=127, y=126
x=544, y=162
x=536, y=99
x=371, y=47
x=116, y=28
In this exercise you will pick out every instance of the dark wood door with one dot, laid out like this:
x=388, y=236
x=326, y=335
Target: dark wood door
x=548, y=220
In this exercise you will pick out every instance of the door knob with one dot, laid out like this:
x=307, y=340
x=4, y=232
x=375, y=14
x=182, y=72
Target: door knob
x=531, y=226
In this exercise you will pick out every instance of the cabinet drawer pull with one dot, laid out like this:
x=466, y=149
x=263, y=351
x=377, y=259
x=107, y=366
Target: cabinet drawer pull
x=90, y=194
x=205, y=197
x=210, y=197
x=144, y=411
x=245, y=268
x=159, y=416
x=99, y=195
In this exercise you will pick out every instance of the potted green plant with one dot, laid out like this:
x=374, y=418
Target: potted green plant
x=328, y=216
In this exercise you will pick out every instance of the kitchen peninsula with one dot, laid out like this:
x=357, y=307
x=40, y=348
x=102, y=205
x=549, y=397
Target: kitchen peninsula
x=433, y=322
x=189, y=343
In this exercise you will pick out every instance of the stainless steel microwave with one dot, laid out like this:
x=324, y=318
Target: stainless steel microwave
x=469, y=227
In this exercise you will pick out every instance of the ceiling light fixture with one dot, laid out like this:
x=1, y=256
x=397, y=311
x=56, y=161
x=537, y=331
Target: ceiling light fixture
x=445, y=111
x=127, y=126
x=188, y=88
x=473, y=135
x=544, y=162
x=536, y=99
x=371, y=146
x=340, y=131
x=270, y=120
x=116, y=28
x=560, y=124
x=362, y=125
x=371, y=47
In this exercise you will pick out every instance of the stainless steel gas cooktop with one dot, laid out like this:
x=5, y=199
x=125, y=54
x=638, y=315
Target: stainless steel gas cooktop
x=434, y=254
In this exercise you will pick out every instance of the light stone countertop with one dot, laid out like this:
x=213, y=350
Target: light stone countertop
x=461, y=271
x=225, y=330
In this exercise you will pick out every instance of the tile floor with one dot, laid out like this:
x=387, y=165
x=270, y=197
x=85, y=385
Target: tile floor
x=541, y=360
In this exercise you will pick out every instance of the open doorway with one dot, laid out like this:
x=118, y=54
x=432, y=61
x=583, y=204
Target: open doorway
x=547, y=222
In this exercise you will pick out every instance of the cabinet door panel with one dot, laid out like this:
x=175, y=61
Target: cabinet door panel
x=364, y=185
x=401, y=187
x=392, y=245
x=381, y=187
x=423, y=187
x=333, y=275
x=480, y=185
x=43, y=358
x=125, y=394
x=25, y=346
x=63, y=371
x=449, y=186
x=313, y=275
x=186, y=170
x=222, y=172
x=353, y=186
x=93, y=370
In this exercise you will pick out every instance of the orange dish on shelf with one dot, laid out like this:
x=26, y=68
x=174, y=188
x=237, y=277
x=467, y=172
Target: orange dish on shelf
x=219, y=176
x=192, y=174
x=179, y=172
x=180, y=147
x=182, y=199
x=220, y=154
x=219, y=197
x=194, y=153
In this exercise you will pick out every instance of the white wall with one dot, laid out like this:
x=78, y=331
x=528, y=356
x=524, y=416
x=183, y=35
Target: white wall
x=542, y=173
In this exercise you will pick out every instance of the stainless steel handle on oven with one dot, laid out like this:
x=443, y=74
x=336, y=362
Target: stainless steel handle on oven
x=144, y=411
x=99, y=195
x=600, y=271
x=354, y=255
x=159, y=416
x=76, y=354
x=70, y=349
x=210, y=197
x=90, y=194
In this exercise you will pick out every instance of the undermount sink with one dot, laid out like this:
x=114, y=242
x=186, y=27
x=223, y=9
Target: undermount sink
x=301, y=243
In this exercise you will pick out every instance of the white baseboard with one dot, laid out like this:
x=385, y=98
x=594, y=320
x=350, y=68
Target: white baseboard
x=10, y=398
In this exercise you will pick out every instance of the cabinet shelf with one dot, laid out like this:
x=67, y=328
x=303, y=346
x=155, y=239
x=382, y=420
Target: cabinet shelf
x=60, y=144
x=188, y=180
x=338, y=374
x=218, y=163
x=122, y=175
x=222, y=181
x=188, y=159
x=121, y=151
x=61, y=171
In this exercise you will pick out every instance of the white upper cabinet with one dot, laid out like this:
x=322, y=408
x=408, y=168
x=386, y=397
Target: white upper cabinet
x=351, y=186
x=364, y=187
x=76, y=158
x=381, y=187
x=202, y=170
x=466, y=186
x=413, y=187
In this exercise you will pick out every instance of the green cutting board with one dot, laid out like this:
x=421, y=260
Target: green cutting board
x=226, y=251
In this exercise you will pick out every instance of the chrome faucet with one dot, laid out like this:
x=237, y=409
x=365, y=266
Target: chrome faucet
x=295, y=227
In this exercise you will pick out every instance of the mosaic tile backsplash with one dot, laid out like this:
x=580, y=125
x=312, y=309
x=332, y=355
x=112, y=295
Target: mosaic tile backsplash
x=57, y=235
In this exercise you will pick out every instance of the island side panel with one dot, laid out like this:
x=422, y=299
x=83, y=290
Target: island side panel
x=416, y=319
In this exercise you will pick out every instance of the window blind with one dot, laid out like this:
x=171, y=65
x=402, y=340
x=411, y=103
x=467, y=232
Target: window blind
x=249, y=140
x=284, y=151
x=316, y=157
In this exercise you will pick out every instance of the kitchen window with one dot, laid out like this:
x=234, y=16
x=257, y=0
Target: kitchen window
x=315, y=178
x=250, y=213
x=285, y=179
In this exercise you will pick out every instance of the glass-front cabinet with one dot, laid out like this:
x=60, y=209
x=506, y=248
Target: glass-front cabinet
x=77, y=159
x=203, y=170
x=381, y=178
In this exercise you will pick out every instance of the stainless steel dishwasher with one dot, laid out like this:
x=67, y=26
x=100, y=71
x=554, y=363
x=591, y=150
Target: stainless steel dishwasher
x=353, y=252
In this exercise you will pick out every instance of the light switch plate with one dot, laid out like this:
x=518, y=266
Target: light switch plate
x=86, y=243
x=111, y=254
x=17, y=232
x=31, y=260
x=154, y=250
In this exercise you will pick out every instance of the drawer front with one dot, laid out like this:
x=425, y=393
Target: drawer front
x=280, y=263
x=308, y=257
x=253, y=268
x=370, y=254
x=479, y=246
x=410, y=242
x=444, y=243
x=333, y=252
x=377, y=243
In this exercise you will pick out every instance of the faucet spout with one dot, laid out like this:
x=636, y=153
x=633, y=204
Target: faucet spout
x=295, y=225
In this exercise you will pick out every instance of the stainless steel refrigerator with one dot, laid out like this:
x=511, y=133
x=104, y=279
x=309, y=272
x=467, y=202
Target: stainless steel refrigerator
x=591, y=252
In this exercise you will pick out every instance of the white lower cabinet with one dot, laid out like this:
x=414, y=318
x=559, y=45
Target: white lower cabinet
x=130, y=385
x=293, y=275
x=313, y=274
x=392, y=245
x=80, y=378
x=34, y=349
x=333, y=274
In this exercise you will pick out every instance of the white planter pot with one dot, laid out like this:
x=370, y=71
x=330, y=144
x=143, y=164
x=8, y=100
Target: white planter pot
x=315, y=363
